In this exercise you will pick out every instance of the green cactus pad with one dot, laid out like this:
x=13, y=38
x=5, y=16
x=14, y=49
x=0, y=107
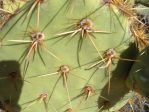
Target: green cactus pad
x=66, y=50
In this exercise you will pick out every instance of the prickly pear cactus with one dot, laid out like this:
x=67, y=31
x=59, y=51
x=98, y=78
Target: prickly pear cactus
x=68, y=55
x=138, y=77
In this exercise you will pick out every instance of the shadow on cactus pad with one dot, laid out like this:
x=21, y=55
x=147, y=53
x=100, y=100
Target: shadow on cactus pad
x=10, y=86
x=139, y=76
x=119, y=93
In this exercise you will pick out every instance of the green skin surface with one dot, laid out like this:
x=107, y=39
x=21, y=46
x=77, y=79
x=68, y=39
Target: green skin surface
x=67, y=51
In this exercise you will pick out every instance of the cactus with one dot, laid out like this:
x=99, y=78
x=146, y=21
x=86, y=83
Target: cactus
x=143, y=2
x=137, y=80
x=71, y=55
x=138, y=75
